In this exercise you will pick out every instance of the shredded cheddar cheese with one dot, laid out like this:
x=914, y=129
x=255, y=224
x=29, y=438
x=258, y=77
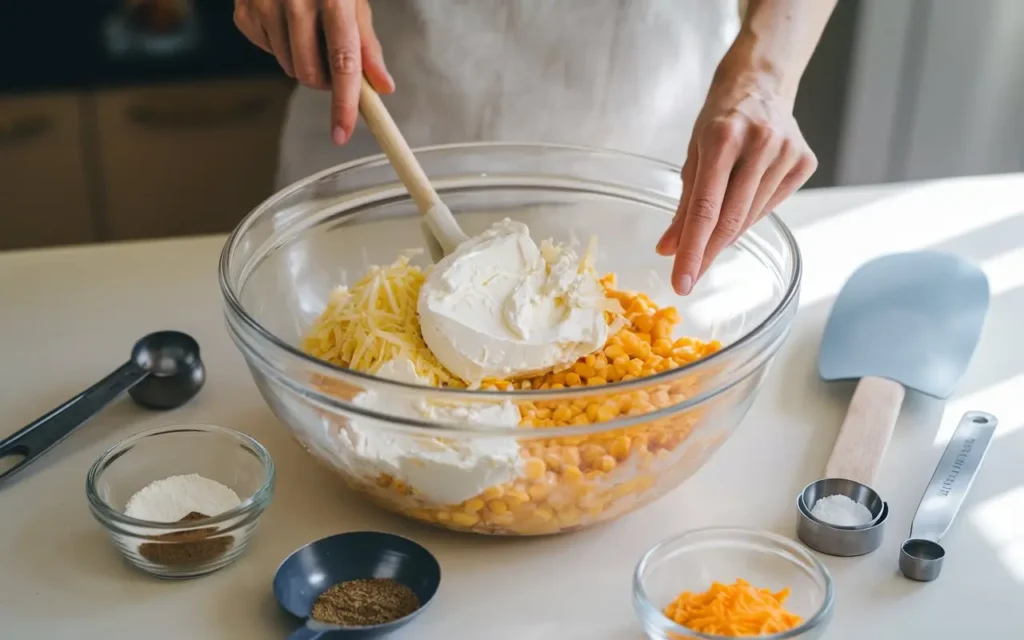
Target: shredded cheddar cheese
x=375, y=321
x=733, y=610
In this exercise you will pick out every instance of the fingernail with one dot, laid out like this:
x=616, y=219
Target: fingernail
x=685, y=284
x=338, y=135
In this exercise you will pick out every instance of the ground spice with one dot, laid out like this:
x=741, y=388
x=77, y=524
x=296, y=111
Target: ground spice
x=358, y=603
x=186, y=548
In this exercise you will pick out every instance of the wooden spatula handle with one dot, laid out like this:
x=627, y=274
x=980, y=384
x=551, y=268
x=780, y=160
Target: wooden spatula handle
x=396, y=148
x=866, y=430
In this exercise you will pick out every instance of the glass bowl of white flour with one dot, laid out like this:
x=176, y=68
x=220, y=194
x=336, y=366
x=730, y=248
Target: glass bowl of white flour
x=184, y=500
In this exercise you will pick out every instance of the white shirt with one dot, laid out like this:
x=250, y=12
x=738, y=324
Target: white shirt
x=629, y=75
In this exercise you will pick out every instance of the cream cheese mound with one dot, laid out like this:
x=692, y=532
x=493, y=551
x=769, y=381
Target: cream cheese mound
x=500, y=306
x=445, y=471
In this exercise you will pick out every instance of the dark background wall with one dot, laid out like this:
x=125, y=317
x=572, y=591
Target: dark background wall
x=822, y=97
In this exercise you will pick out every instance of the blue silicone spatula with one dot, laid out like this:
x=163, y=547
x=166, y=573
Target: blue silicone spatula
x=902, y=321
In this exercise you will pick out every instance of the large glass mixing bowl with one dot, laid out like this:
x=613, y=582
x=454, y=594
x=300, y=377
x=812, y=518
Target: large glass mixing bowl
x=629, y=442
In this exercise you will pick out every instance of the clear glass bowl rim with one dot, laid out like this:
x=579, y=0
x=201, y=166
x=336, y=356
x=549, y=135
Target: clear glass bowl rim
x=257, y=500
x=725, y=533
x=235, y=309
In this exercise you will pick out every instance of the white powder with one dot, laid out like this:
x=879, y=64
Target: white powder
x=173, y=498
x=841, y=511
x=443, y=470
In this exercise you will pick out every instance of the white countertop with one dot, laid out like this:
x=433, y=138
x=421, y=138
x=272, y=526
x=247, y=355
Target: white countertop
x=68, y=316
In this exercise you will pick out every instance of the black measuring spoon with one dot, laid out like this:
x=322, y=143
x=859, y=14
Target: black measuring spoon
x=163, y=372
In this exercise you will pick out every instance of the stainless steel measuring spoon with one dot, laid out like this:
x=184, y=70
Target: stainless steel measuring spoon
x=163, y=372
x=921, y=555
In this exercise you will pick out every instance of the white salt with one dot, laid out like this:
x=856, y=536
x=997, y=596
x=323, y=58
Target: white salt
x=841, y=511
x=173, y=498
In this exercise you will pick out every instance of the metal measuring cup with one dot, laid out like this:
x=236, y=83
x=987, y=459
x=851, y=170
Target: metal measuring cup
x=921, y=556
x=837, y=540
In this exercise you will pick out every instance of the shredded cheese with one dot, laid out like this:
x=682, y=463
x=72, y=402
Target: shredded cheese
x=375, y=321
x=734, y=610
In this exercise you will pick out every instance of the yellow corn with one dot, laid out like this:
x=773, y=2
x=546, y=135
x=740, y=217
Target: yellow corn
x=564, y=483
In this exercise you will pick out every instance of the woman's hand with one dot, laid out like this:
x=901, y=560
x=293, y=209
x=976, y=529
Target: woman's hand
x=290, y=30
x=746, y=156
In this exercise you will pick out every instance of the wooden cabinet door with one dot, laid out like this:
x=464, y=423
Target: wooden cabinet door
x=44, y=195
x=187, y=159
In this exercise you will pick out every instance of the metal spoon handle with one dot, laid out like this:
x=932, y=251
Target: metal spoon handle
x=305, y=633
x=46, y=431
x=953, y=476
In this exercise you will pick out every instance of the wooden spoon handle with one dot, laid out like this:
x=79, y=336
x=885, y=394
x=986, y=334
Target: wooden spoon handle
x=396, y=149
x=866, y=430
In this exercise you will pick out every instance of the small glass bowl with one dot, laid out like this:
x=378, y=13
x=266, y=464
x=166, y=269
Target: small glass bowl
x=195, y=548
x=693, y=560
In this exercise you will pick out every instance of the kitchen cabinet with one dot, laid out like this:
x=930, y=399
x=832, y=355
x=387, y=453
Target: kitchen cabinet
x=45, y=195
x=186, y=159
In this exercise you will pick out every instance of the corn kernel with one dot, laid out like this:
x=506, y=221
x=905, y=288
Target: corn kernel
x=465, y=519
x=662, y=347
x=614, y=351
x=493, y=493
x=584, y=370
x=562, y=414
x=571, y=475
x=544, y=514
x=568, y=517
x=497, y=507
x=571, y=456
x=670, y=314
x=607, y=463
x=516, y=498
x=472, y=505
x=619, y=448
x=534, y=468
x=539, y=491
x=502, y=519
x=684, y=354
x=636, y=367
x=662, y=329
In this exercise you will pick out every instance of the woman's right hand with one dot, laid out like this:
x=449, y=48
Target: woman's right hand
x=288, y=29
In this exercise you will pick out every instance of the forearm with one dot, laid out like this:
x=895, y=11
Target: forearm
x=775, y=43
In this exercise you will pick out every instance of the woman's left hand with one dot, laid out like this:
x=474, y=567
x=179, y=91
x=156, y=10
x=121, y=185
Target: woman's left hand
x=746, y=156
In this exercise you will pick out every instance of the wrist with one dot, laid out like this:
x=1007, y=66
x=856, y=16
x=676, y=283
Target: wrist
x=752, y=65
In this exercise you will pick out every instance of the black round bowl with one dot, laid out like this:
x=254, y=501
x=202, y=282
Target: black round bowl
x=358, y=555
